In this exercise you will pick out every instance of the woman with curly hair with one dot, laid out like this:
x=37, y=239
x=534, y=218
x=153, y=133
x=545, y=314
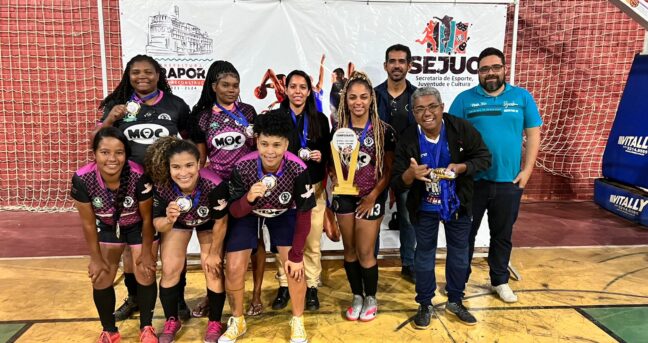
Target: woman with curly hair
x=188, y=198
x=269, y=187
x=114, y=201
x=143, y=107
x=359, y=216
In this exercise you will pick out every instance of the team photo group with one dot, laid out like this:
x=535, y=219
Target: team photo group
x=163, y=169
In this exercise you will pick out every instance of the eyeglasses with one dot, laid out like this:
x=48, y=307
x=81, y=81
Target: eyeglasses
x=420, y=110
x=496, y=68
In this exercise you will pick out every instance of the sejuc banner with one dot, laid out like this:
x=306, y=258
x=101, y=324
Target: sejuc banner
x=266, y=39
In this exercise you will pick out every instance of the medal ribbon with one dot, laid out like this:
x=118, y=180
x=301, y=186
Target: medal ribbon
x=238, y=116
x=279, y=172
x=194, y=196
x=433, y=154
x=448, y=190
x=142, y=100
x=304, y=135
x=364, y=132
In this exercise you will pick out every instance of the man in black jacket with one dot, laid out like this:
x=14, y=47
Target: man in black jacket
x=435, y=162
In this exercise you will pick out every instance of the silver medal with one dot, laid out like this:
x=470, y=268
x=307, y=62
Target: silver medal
x=304, y=154
x=133, y=107
x=270, y=181
x=249, y=131
x=184, y=204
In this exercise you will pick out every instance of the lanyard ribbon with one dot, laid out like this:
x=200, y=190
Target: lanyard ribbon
x=365, y=131
x=279, y=172
x=142, y=100
x=303, y=137
x=447, y=188
x=194, y=196
x=238, y=116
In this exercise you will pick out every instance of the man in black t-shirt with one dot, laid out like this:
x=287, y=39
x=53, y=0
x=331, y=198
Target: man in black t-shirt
x=394, y=107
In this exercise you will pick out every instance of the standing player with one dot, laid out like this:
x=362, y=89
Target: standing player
x=360, y=216
x=221, y=127
x=188, y=198
x=310, y=141
x=112, y=195
x=144, y=108
x=269, y=187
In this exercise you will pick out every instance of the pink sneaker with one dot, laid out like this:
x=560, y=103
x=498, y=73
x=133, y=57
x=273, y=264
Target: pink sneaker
x=109, y=337
x=214, y=331
x=171, y=327
x=147, y=335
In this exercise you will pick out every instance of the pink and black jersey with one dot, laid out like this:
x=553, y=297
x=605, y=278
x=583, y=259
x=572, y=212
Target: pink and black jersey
x=168, y=116
x=225, y=138
x=89, y=187
x=365, y=176
x=293, y=188
x=209, y=200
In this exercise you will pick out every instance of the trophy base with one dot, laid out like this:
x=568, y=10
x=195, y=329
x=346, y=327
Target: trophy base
x=346, y=190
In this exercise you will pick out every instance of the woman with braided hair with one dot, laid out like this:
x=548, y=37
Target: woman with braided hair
x=113, y=195
x=143, y=107
x=359, y=217
x=221, y=126
x=187, y=198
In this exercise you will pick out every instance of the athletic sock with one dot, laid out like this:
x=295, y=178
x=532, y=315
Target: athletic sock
x=216, y=303
x=354, y=275
x=169, y=299
x=131, y=284
x=146, y=296
x=370, y=280
x=104, y=300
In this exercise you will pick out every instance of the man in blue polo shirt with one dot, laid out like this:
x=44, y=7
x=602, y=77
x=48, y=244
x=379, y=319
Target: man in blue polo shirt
x=501, y=113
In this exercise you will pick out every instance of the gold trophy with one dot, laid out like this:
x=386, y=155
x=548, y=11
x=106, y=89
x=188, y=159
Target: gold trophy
x=345, y=145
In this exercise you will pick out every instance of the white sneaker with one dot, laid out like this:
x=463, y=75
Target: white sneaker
x=505, y=293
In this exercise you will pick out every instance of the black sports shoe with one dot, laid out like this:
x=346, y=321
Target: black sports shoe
x=422, y=317
x=127, y=309
x=312, y=302
x=281, y=301
x=408, y=273
x=459, y=310
x=184, y=312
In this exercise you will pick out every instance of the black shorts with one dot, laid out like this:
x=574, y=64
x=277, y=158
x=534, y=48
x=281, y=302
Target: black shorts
x=208, y=226
x=244, y=233
x=131, y=235
x=346, y=204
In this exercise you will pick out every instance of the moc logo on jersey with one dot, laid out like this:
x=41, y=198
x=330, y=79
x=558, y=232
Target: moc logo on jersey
x=97, y=203
x=363, y=160
x=145, y=133
x=203, y=211
x=128, y=202
x=636, y=145
x=228, y=141
x=164, y=116
x=284, y=198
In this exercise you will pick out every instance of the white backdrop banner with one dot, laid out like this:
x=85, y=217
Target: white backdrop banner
x=187, y=36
